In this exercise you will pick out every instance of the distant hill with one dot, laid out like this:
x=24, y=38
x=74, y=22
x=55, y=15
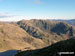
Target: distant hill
x=71, y=22
x=53, y=50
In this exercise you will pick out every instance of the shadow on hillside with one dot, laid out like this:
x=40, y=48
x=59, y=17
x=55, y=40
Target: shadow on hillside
x=8, y=53
x=28, y=52
x=53, y=50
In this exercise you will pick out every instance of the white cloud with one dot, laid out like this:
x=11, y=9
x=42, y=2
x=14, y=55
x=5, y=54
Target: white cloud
x=15, y=18
x=5, y=15
x=18, y=18
x=38, y=2
x=35, y=1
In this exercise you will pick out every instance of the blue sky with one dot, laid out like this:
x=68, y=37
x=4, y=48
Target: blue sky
x=32, y=9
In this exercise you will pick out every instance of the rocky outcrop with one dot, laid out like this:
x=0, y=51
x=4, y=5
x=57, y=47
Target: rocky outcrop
x=48, y=31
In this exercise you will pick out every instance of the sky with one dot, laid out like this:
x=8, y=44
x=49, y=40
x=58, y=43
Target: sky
x=14, y=10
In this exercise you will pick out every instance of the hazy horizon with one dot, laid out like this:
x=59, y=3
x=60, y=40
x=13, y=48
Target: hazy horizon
x=15, y=10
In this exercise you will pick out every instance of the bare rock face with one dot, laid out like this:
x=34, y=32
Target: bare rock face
x=48, y=31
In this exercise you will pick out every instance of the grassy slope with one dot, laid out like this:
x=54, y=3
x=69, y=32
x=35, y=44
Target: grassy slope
x=62, y=46
x=13, y=37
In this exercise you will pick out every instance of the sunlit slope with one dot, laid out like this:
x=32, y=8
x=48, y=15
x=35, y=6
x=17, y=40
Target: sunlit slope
x=13, y=37
x=53, y=50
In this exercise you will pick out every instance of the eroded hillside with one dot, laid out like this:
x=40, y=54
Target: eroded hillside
x=49, y=31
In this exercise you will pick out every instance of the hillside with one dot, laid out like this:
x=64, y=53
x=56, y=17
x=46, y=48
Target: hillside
x=12, y=37
x=32, y=34
x=62, y=46
x=48, y=31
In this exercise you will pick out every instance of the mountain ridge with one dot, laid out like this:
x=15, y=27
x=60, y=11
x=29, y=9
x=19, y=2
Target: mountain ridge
x=33, y=34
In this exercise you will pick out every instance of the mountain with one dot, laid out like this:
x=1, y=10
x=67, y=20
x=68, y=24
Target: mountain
x=32, y=34
x=71, y=22
x=53, y=50
x=48, y=31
